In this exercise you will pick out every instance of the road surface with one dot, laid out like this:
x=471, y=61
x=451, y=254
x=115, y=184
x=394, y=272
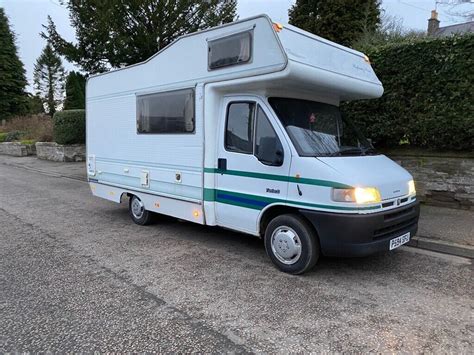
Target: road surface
x=77, y=275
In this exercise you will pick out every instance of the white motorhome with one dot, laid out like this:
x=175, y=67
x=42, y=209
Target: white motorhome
x=238, y=126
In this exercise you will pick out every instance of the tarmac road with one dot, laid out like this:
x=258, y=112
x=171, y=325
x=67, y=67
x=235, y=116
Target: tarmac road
x=77, y=275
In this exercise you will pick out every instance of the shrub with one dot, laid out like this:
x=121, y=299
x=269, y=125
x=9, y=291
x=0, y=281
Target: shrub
x=428, y=99
x=3, y=136
x=33, y=127
x=70, y=127
x=12, y=136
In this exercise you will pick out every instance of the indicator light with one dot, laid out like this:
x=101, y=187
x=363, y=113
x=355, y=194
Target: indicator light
x=277, y=27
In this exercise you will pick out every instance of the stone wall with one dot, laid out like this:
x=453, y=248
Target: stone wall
x=442, y=180
x=58, y=152
x=17, y=149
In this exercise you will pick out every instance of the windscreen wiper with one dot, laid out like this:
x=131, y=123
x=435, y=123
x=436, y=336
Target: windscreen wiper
x=352, y=150
x=370, y=150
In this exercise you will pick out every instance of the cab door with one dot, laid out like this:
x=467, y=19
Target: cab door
x=253, y=163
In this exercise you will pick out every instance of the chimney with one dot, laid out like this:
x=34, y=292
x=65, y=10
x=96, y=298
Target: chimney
x=433, y=23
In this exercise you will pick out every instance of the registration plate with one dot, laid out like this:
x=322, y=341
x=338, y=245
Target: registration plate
x=396, y=242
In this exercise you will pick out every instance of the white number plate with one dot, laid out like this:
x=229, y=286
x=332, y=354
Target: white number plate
x=396, y=242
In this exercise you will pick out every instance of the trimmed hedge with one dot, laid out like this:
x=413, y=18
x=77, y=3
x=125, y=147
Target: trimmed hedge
x=429, y=96
x=69, y=127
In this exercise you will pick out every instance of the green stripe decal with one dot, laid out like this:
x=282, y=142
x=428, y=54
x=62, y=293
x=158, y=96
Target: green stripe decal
x=259, y=202
x=304, y=181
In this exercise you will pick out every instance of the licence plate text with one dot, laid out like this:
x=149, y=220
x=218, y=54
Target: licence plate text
x=396, y=242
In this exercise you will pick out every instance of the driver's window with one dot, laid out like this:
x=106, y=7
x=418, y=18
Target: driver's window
x=239, y=127
x=268, y=148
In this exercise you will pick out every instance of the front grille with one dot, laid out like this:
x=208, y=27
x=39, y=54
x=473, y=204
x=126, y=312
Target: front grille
x=397, y=214
x=395, y=229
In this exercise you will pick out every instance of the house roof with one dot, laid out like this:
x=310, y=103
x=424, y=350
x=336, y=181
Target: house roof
x=459, y=28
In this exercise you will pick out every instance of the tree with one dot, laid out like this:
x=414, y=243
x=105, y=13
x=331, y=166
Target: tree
x=341, y=21
x=390, y=31
x=75, y=91
x=49, y=79
x=35, y=104
x=13, y=98
x=458, y=8
x=114, y=33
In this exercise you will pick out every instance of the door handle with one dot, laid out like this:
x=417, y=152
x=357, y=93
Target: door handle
x=222, y=164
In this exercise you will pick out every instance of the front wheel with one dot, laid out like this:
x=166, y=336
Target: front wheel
x=291, y=244
x=138, y=213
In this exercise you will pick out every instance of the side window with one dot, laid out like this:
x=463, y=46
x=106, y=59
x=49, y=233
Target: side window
x=268, y=148
x=239, y=127
x=166, y=112
x=230, y=50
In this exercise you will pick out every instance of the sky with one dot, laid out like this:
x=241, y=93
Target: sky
x=27, y=17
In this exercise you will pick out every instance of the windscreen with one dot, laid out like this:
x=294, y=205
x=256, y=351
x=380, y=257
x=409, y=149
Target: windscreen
x=318, y=129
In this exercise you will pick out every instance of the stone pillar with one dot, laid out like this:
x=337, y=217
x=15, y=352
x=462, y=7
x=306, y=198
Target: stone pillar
x=433, y=23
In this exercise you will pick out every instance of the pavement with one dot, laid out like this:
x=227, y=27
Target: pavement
x=440, y=229
x=446, y=230
x=76, y=275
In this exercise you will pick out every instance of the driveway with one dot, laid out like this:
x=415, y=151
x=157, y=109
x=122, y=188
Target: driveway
x=77, y=275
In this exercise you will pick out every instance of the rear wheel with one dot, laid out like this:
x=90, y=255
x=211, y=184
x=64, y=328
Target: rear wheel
x=138, y=213
x=291, y=244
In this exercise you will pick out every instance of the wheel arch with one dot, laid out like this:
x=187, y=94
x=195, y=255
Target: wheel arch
x=125, y=194
x=273, y=211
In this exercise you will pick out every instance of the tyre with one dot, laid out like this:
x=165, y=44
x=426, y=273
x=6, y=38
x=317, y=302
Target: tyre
x=291, y=244
x=138, y=213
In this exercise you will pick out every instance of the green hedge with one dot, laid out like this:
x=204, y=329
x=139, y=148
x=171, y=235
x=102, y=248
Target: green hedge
x=429, y=96
x=69, y=127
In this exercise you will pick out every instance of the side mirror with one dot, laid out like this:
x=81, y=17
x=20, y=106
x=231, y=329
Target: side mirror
x=270, y=151
x=279, y=157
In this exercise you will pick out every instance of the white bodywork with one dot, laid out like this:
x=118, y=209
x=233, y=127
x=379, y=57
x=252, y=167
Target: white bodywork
x=288, y=63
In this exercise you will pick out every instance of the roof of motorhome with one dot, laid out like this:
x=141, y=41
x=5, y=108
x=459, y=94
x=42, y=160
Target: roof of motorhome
x=211, y=29
x=185, y=61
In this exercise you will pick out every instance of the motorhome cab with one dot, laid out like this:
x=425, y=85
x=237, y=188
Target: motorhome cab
x=239, y=126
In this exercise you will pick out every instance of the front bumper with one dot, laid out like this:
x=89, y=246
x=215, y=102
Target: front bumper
x=362, y=234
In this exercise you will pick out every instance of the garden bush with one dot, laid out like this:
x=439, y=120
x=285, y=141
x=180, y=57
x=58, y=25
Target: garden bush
x=69, y=127
x=428, y=100
x=3, y=136
x=12, y=136
x=34, y=127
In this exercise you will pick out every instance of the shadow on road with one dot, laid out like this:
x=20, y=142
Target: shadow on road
x=248, y=246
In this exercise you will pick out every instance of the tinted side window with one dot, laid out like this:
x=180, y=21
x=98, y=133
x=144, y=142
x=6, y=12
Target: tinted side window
x=239, y=127
x=166, y=112
x=231, y=50
x=268, y=148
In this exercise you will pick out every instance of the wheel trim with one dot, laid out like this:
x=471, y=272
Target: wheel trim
x=286, y=245
x=137, y=207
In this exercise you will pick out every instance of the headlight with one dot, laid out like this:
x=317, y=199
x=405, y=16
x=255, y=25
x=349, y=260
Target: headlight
x=367, y=195
x=358, y=195
x=411, y=187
